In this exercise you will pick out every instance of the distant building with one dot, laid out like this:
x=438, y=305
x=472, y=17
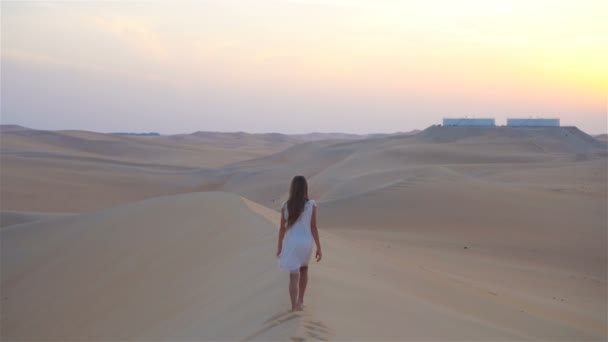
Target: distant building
x=469, y=122
x=533, y=122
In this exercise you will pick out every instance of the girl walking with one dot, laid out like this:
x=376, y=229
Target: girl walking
x=298, y=230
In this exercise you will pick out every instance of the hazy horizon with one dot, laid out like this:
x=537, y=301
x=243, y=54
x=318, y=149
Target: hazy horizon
x=300, y=66
x=248, y=132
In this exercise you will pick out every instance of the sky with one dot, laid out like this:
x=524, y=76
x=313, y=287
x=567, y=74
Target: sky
x=298, y=66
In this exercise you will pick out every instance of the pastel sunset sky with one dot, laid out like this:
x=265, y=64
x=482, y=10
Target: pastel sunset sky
x=301, y=66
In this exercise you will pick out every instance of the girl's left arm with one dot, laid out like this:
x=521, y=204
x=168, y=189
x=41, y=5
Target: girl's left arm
x=281, y=232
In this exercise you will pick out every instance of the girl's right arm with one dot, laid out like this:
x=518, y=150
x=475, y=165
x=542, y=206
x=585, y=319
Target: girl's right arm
x=281, y=232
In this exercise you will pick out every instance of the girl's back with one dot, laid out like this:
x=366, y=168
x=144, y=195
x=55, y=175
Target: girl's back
x=302, y=226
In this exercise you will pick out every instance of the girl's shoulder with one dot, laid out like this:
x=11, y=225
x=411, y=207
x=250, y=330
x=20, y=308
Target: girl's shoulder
x=309, y=202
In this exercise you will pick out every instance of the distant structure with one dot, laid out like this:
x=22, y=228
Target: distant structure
x=469, y=122
x=533, y=122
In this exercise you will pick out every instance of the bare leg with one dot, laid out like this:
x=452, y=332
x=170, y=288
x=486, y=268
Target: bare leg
x=293, y=289
x=302, y=285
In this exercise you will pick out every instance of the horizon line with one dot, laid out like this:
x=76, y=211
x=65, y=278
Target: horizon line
x=156, y=133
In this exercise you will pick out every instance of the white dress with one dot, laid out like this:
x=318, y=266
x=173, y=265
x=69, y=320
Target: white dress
x=298, y=240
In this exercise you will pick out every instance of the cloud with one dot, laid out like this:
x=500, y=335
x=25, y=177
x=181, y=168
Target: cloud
x=32, y=59
x=29, y=59
x=135, y=33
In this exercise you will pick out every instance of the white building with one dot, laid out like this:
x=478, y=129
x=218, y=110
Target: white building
x=469, y=122
x=534, y=122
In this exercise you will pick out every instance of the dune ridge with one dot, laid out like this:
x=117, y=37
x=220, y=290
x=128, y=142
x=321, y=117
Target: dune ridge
x=462, y=234
x=97, y=170
x=330, y=165
x=602, y=137
x=146, y=270
x=201, y=266
x=10, y=217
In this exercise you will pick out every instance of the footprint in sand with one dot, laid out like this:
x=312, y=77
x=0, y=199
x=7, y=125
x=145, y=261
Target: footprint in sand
x=272, y=322
x=308, y=329
x=312, y=329
x=317, y=327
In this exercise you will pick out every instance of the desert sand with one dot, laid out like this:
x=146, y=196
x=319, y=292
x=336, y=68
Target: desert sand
x=79, y=171
x=447, y=234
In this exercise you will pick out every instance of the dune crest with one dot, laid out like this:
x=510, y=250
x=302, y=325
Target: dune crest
x=448, y=234
x=201, y=266
x=190, y=267
x=9, y=217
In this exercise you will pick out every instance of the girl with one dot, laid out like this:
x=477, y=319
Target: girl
x=298, y=229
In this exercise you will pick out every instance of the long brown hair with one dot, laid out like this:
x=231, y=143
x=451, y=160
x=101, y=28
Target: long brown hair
x=298, y=195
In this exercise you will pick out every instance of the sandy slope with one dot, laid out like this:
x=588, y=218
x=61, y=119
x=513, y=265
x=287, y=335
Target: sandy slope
x=200, y=266
x=196, y=150
x=449, y=234
x=190, y=267
x=52, y=185
x=530, y=205
x=77, y=171
x=10, y=217
x=344, y=168
x=568, y=226
x=602, y=137
x=94, y=170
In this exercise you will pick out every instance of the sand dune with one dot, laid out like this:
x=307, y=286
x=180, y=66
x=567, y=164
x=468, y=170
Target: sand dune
x=9, y=217
x=12, y=128
x=533, y=222
x=330, y=165
x=192, y=267
x=163, y=165
x=255, y=141
x=92, y=170
x=201, y=266
x=51, y=185
x=602, y=137
x=546, y=139
x=531, y=202
x=153, y=150
x=449, y=234
x=265, y=179
x=77, y=171
x=198, y=149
